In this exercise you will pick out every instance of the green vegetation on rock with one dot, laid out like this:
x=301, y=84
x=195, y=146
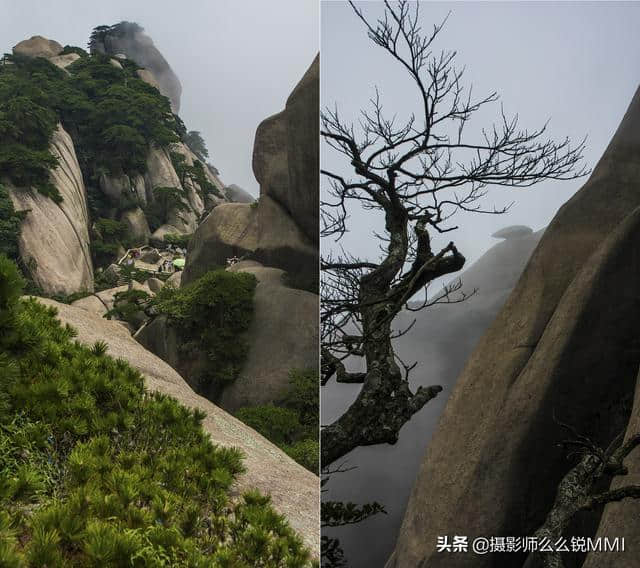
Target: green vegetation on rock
x=108, y=237
x=10, y=221
x=95, y=471
x=167, y=200
x=194, y=173
x=178, y=240
x=194, y=140
x=112, y=115
x=210, y=315
x=129, y=306
x=291, y=424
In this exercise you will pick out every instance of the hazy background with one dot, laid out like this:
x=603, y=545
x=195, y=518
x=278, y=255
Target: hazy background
x=575, y=63
x=237, y=60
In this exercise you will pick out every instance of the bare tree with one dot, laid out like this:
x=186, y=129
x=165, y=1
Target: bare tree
x=578, y=489
x=417, y=174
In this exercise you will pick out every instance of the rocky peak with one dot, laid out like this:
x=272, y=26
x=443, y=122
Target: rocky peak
x=129, y=40
x=38, y=46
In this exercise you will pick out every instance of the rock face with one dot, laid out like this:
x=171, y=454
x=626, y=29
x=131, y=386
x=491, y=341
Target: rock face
x=54, y=240
x=285, y=154
x=265, y=233
x=281, y=230
x=293, y=489
x=161, y=173
x=63, y=61
x=137, y=227
x=620, y=519
x=564, y=344
x=37, y=46
x=236, y=194
x=441, y=339
x=139, y=47
x=283, y=336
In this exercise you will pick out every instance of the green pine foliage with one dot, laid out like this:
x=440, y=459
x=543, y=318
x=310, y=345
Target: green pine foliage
x=108, y=236
x=10, y=222
x=210, y=315
x=73, y=49
x=130, y=306
x=178, y=240
x=194, y=140
x=293, y=423
x=194, y=173
x=167, y=200
x=95, y=471
x=112, y=115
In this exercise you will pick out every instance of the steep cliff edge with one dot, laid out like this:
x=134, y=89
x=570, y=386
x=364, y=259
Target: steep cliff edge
x=54, y=239
x=543, y=359
x=129, y=39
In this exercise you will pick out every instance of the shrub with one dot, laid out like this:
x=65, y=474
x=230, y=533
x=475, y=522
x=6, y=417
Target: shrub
x=277, y=424
x=210, y=316
x=306, y=452
x=108, y=236
x=129, y=306
x=73, y=49
x=10, y=222
x=181, y=241
x=293, y=423
x=96, y=471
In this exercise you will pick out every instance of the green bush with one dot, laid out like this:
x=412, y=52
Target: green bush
x=129, y=306
x=293, y=422
x=181, y=241
x=306, y=452
x=96, y=471
x=210, y=316
x=108, y=236
x=277, y=424
x=166, y=200
x=10, y=222
x=112, y=115
x=194, y=173
x=73, y=49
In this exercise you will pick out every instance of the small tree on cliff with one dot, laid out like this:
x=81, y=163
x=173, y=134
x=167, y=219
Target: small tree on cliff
x=417, y=174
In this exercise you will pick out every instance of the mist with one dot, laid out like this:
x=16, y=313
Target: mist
x=237, y=61
x=574, y=64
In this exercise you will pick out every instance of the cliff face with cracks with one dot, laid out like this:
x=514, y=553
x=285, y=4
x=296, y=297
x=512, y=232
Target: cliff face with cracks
x=563, y=348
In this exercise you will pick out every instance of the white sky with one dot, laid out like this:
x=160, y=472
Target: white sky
x=237, y=60
x=575, y=63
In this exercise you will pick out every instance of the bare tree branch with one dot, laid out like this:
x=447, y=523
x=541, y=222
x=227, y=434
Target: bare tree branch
x=418, y=173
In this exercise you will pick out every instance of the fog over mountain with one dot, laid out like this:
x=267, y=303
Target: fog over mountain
x=573, y=63
x=441, y=340
x=236, y=61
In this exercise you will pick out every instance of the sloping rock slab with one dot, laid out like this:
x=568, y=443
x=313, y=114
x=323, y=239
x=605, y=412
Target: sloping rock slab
x=56, y=236
x=293, y=489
